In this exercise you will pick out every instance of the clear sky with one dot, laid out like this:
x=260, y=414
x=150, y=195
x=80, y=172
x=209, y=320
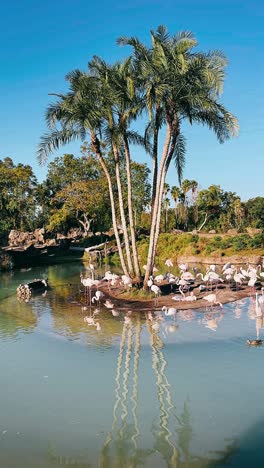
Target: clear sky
x=42, y=40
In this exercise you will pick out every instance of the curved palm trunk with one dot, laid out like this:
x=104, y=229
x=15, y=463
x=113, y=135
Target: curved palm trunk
x=122, y=212
x=163, y=178
x=130, y=210
x=96, y=147
x=150, y=259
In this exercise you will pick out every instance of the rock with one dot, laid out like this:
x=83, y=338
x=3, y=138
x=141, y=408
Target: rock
x=51, y=242
x=75, y=233
x=20, y=238
x=253, y=231
x=177, y=231
x=212, y=231
x=232, y=232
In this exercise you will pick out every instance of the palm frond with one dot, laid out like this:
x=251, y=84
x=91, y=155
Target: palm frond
x=53, y=140
x=137, y=139
x=179, y=156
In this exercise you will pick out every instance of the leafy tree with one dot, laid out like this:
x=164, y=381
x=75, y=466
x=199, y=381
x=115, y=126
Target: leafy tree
x=84, y=201
x=175, y=193
x=254, y=209
x=17, y=196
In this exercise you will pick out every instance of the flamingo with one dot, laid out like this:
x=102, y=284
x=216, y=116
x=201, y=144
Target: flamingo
x=251, y=283
x=176, y=298
x=156, y=291
x=108, y=304
x=91, y=268
x=211, y=298
x=214, y=278
x=226, y=266
x=168, y=263
x=150, y=281
x=98, y=296
x=189, y=298
x=186, y=275
x=159, y=278
x=127, y=281
x=170, y=311
x=183, y=266
x=238, y=277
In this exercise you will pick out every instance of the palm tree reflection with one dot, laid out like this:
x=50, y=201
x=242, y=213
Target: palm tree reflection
x=121, y=447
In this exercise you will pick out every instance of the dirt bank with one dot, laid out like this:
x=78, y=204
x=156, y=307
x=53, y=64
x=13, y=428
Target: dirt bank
x=224, y=294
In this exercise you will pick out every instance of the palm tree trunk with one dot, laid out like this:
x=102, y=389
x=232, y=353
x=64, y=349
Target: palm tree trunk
x=130, y=210
x=155, y=211
x=96, y=147
x=122, y=212
x=163, y=178
x=155, y=159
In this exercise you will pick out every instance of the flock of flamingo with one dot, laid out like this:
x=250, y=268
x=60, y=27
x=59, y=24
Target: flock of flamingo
x=183, y=285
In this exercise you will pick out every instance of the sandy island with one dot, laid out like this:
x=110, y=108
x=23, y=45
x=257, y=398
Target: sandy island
x=224, y=294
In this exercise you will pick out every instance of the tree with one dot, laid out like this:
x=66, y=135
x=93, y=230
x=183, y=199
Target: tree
x=76, y=115
x=177, y=85
x=254, y=209
x=175, y=193
x=83, y=201
x=17, y=196
x=172, y=84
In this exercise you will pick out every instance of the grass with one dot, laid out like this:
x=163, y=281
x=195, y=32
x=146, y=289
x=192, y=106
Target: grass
x=171, y=246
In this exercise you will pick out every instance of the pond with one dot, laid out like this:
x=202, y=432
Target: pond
x=130, y=390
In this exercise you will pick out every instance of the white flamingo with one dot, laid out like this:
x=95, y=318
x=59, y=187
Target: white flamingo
x=154, y=288
x=98, y=296
x=211, y=298
x=183, y=266
x=168, y=263
x=108, y=304
x=159, y=278
x=127, y=281
x=170, y=311
x=189, y=298
x=251, y=284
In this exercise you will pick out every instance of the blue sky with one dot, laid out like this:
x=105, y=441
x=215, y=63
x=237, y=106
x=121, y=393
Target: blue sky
x=42, y=41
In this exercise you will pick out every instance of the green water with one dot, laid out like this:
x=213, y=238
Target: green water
x=129, y=392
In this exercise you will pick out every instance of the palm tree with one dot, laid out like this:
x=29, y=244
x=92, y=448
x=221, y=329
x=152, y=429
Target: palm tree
x=175, y=193
x=178, y=85
x=79, y=112
x=166, y=204
x=186, y=186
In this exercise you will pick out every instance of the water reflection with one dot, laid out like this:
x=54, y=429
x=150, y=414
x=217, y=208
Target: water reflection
x=160, y=413
x=172, y=433
x=15, y=318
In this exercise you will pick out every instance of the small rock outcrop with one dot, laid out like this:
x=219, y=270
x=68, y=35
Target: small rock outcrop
x=20, y=238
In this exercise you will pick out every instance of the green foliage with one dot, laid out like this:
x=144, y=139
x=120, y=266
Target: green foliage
x=18, y=204
x=172, y=245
